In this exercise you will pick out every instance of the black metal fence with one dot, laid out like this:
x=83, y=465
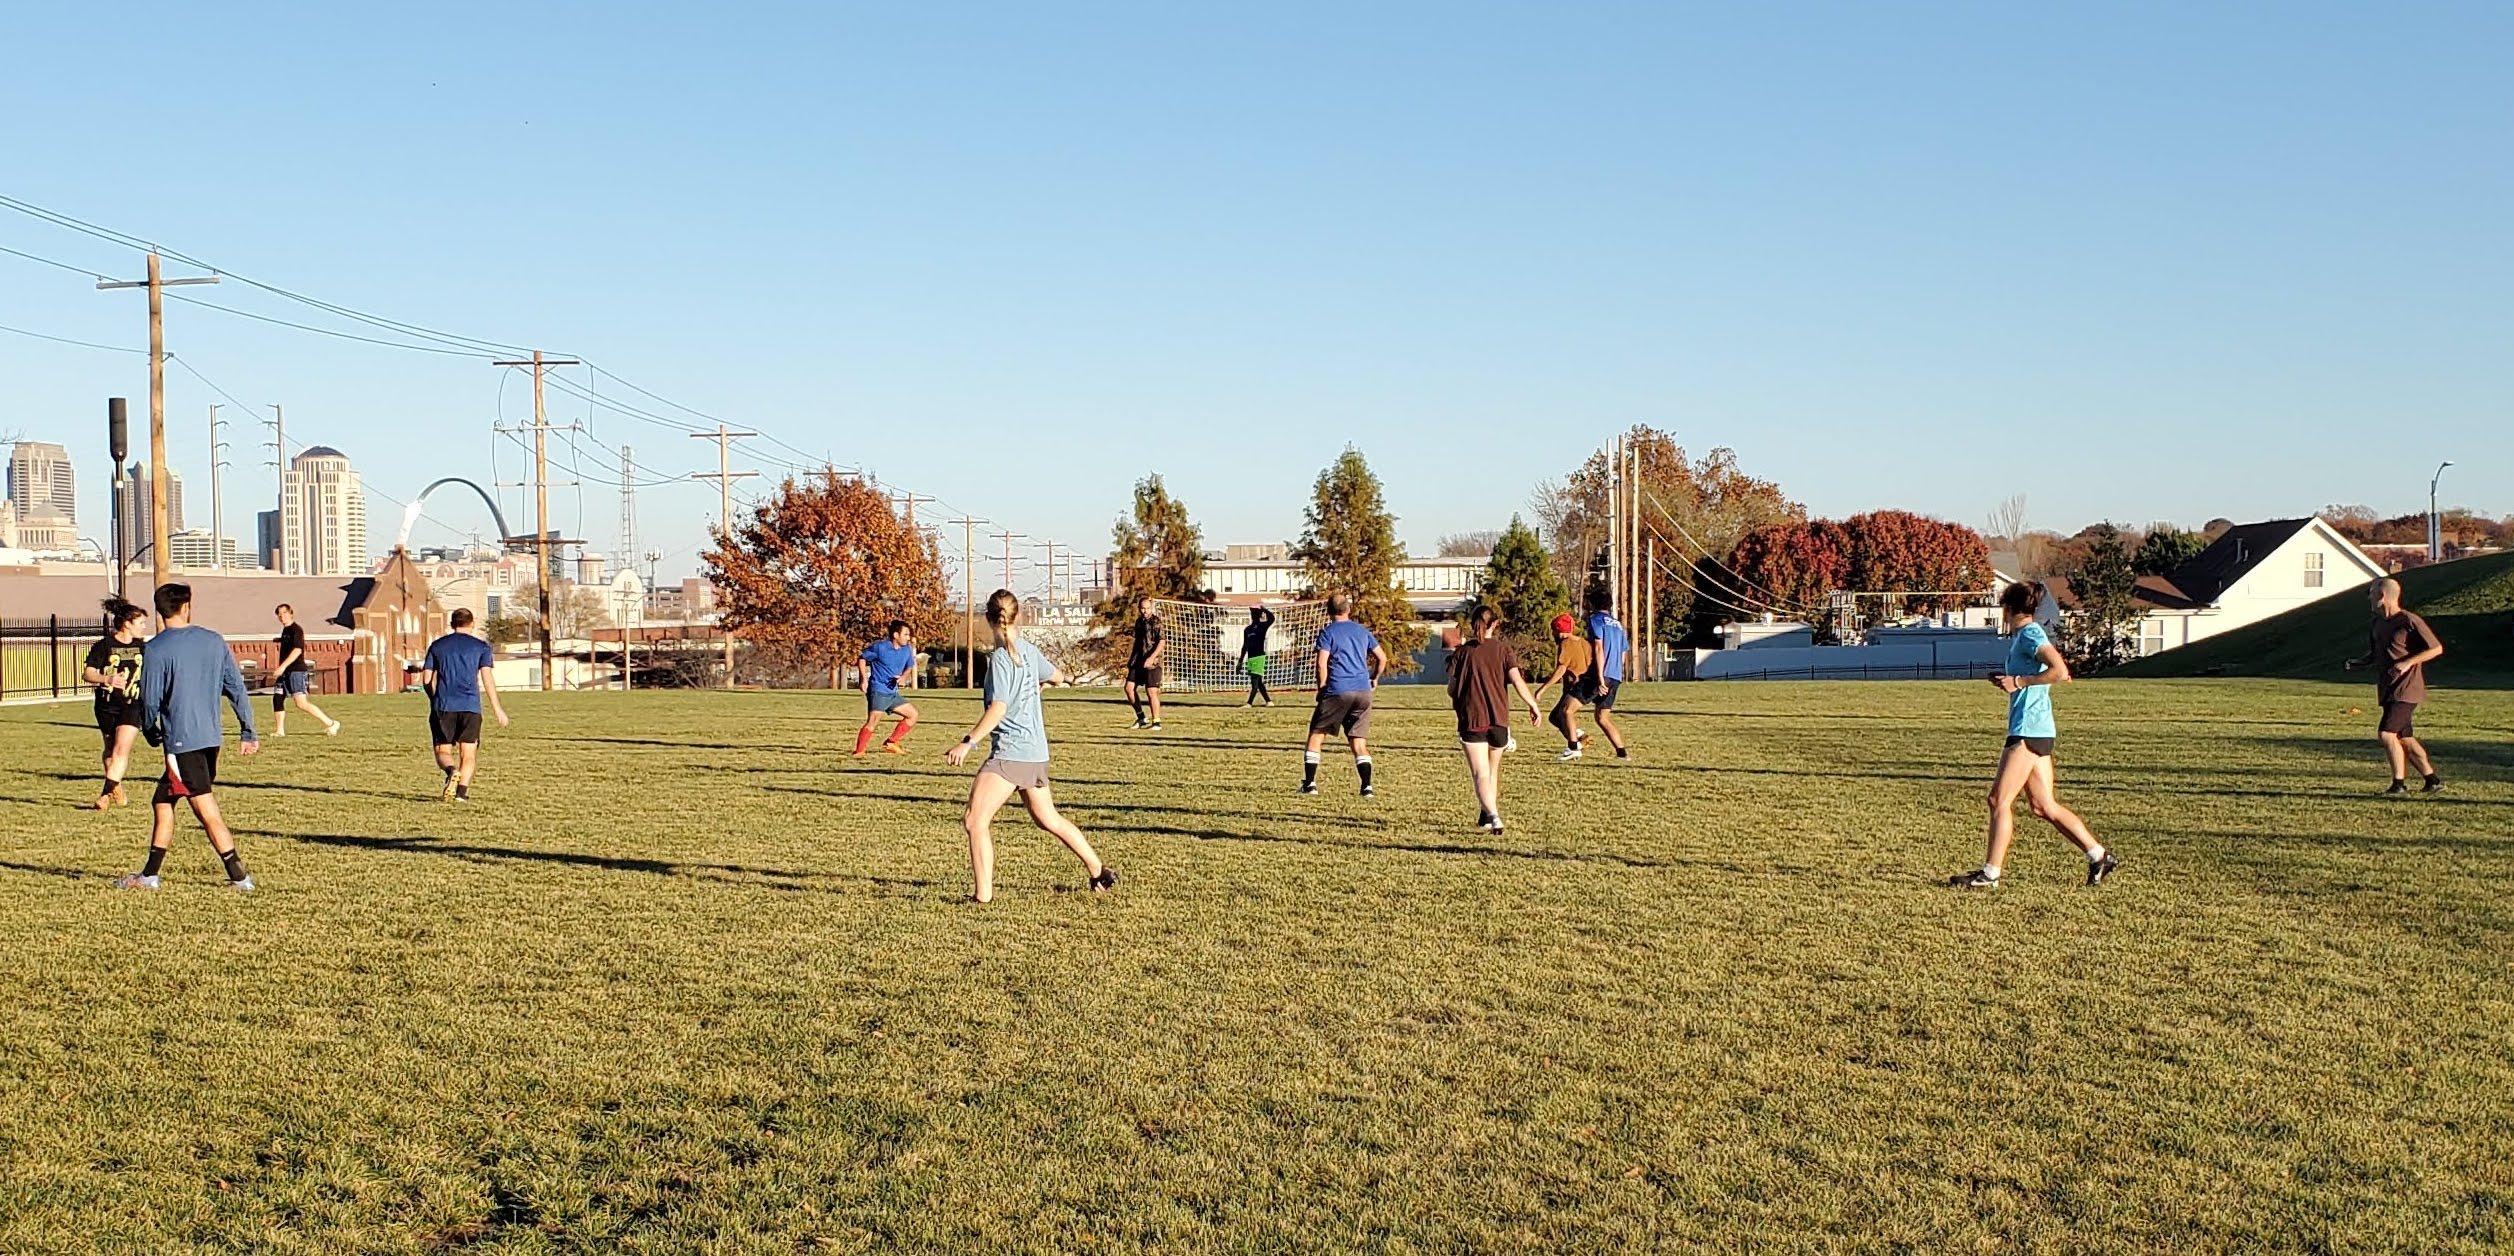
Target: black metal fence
x=1881, y=671
x=41, y=657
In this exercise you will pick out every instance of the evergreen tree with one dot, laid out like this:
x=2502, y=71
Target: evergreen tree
x=2098, y=633
x=2166, y=548
x=1159, y=554
x=1349, y=545
x=1521, y=586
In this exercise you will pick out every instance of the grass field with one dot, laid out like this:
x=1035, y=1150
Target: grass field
x=682, y=981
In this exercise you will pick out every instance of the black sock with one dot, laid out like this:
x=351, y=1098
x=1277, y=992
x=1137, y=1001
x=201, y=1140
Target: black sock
x=462, y=791
x=1309, y=772
x=1363, y=766
x=449, y=772
x=2400, y=782
x=112, y=784
x=156, y=857
x=234, y=859
x=2432, y=778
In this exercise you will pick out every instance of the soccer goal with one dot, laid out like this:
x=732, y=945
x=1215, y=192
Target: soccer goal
x=1205, y=640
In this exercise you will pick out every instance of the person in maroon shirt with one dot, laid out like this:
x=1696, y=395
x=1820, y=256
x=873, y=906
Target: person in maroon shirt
x=1481, y=675
x=2400, y=647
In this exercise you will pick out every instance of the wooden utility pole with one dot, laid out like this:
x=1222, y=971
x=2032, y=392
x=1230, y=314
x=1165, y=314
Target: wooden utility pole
x=907, y=503
x=541, y=501
x=724, y=475
x=1051, y=547
x=968, y=599
x=1008, y=538
x=1650, y=610
x=158, y=489
x=218, y=519
x=1615, y=523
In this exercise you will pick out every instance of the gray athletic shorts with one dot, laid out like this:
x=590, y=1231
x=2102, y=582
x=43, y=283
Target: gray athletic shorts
x=1346, y=713
x=1022, y=776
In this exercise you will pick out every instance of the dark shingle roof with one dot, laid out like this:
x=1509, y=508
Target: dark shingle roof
x=2229, y=558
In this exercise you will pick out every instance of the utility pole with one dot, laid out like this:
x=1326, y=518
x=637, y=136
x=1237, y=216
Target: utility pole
x=1650, y=610
x=278, y=423
x=968, y=599
x=2435, y=522
x=724, y=476
x=1008, y=538
x=158, y=490
x=1051, y=547
x=1615, y=522
x=218, y=526
x=907, y=502
x=541, y=500
x=627, y=546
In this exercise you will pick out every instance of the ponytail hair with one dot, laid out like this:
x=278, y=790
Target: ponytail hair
x=121, y=610
x=2022, y=598
x=1003, y=611
x=1485, y=618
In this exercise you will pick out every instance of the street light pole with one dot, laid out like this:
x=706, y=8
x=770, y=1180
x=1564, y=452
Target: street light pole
x=2435, y=523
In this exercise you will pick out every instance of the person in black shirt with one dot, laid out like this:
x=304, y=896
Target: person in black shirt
x=1143, y=667
x=1253, y=655
x=113, y=667
x=296, y=678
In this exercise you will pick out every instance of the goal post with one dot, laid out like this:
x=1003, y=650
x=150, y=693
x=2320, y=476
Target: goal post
x=1204, y=645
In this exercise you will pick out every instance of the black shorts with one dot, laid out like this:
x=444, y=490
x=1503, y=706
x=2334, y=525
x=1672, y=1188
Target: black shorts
x=1345, y=714
x=192, y=774
x=2039, y=745
x=2399, y=719
x=1602, y=694
x=1144, y=677
x=113, y=717
x=1497, y=738
x=454, y=728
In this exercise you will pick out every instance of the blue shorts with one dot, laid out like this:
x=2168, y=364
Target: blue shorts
x=293, y=683
x=884, y=701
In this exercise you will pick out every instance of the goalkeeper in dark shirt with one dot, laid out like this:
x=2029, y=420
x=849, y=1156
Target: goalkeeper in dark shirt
x=1253, y=655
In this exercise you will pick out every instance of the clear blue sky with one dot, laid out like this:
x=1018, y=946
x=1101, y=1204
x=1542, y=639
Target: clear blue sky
x=2165, y=262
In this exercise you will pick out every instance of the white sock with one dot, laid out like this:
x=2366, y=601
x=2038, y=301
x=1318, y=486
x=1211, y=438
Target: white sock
x=1309, y=756
x=1991, y=871
x=2096, y=855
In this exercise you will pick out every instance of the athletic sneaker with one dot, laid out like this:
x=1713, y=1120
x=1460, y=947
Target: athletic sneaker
x=332, y=729
x=1484, y=820
x=892, y=747
x=244, y=886
x=1139, y=722
x=1153, y=727
x=448, y=794
x=2435, y=785
x=1368, y=792
x=1974, y=880
x=1106, y=881
x=2399, y=789
x=1309, y=787
x=1623, y=754
x=2098, y=869
x=119, y=798
x=1568, y=755
x=103, y=800
x=136, y=881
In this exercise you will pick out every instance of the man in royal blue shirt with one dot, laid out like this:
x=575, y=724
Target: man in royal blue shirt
x=185, y=672
x=1350, y=663
x=461, y=668
x=1608, y=643
x=890, y=664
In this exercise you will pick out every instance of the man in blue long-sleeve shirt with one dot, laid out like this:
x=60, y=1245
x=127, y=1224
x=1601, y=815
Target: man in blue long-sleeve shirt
x=184, y=673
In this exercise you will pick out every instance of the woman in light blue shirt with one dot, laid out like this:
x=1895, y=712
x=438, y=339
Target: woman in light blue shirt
x=2034, y=665
x=1019, y=760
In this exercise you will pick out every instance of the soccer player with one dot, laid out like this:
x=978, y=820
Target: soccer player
x=1350, y=663
x=1253, y=655
x=1019, y=761
x=887, y=663
x=2033, y=666
x=113, y=666
x=1572, y=661
x=461, y=669
x=1482, y=673
x=1607, y=643
x=184, y=672
x=295, y=677
x=2400, y=645
x=1143, y=666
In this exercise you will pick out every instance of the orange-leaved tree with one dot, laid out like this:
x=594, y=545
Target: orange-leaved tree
x=821, y=567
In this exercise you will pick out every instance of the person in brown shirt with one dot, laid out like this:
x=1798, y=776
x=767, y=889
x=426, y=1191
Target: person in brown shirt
x=1573, y=657
x=2400, y=647
x=1481, y=675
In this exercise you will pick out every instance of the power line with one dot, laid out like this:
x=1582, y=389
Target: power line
x=65, y=340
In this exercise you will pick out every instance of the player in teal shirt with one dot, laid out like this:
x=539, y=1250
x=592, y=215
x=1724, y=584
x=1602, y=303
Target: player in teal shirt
x=1013, y=718
x=2033, y=666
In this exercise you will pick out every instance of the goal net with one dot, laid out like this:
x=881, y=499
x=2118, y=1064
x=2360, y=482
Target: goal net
x=1205, y=640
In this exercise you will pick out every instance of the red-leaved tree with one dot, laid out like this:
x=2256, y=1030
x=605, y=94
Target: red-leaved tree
x=820, y=569
x=1795, y=565
x=1918, y=558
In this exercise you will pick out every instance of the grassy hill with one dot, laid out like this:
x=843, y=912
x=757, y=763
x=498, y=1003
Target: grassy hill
x=2470, y=603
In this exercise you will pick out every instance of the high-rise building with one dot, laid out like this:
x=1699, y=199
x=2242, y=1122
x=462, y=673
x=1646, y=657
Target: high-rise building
x=132, y=528
x=266, y=538
x=41, y=481
x=46, y=493
x=322, y=516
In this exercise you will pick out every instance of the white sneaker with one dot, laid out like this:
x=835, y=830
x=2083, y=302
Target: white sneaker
x=332, y=729
x=135, y=881
x=1568, y=755
x=241, y=887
